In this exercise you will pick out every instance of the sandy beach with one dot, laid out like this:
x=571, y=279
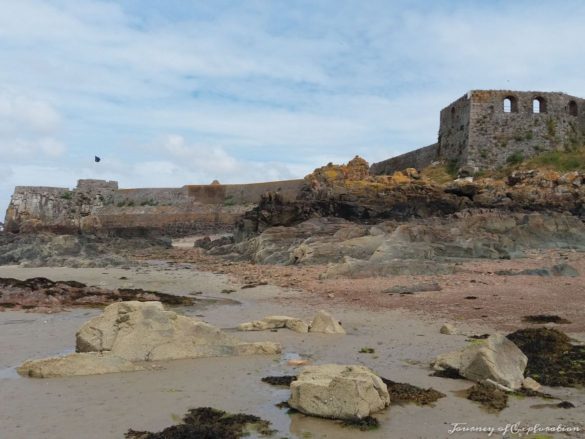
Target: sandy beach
x=107, y=406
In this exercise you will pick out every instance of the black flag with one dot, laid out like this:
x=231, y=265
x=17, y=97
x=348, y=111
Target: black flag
x=97, y=159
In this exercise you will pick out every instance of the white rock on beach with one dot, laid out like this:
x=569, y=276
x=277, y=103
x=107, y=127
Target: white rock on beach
x=144, y=331
x=89, y=363
x=495, y=358
x=135, y=331
x=326, y=323
x=531, y=384
x=275, y=322
x=338, y=392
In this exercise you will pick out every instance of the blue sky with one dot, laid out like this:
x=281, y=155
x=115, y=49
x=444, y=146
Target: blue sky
x=176, y=92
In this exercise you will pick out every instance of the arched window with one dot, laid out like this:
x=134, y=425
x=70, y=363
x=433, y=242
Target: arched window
x=573, y=109
x=538, y=105
x=510, y=104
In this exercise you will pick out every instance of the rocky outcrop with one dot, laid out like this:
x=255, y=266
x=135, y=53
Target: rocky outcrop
x=349, y=192
x=323, y=322
x=326, y=324
x=417, y=247
x=89, y=363
x=145, y=331
x=338, y=392
x=136, y=332
x=46, y=249
x=495, y=359
x=275, y=322
x=43, y=295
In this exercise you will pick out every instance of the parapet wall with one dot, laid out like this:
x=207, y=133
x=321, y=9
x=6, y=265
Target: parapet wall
x=99, y=206
x=419, y=158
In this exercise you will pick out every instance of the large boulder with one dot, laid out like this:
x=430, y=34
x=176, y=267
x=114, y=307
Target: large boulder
x=338, y=392
x=144, y=331
x=89, y=363
x=325, y=323
x=275, y=322
x=496, y=359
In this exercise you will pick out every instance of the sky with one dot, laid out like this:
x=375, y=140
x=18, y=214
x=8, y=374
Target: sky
x=180, y=92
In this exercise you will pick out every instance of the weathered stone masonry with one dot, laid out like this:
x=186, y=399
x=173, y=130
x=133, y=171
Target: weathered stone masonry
x=486, y=129
x=100, y=206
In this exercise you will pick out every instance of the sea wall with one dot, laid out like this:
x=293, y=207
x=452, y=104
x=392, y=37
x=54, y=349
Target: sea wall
x=100, y=206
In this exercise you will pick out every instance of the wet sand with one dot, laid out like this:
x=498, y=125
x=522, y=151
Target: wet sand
x=106, y=406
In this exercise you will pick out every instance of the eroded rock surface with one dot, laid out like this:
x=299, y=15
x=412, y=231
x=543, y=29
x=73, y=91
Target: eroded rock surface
x=145, y=331
x=496, y=359
x=87, y=363
x=44, y=295
x=135, y=332
x=325, y=323
x=46, y=249
x=275, y=322
x=417, y=247
x=350, y=192
x=338, y=392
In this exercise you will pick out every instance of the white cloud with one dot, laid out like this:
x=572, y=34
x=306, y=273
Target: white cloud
x=19, y=112
x=255, y=90
x=28, y=127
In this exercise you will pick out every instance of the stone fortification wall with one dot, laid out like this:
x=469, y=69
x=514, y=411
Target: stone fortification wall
x=419, y=158
x=487, y=129
x=498, y=136
x=454, y=131
x=99, y=206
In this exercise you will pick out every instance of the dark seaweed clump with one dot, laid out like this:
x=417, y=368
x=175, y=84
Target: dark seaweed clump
x=545, y=318
x=489, y=396
x=404, y=392
x=283, y=380
x=364, y=424
x=40, y=291
x=479, y=337
x=448, y=372
x=552, y=359
x=208, y=423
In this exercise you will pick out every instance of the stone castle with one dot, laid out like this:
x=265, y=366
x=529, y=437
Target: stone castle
x=486, y=129
x=483, y=129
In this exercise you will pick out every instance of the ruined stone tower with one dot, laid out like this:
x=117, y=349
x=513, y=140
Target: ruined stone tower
x=486, y=129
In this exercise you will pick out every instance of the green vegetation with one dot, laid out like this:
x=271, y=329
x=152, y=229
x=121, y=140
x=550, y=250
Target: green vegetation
x=561, y=161
x=149, y=202
x=67, y=195
x=452, y=167
x=229, y=201
x=551, y=127
x=437, y=173
x=515, y=158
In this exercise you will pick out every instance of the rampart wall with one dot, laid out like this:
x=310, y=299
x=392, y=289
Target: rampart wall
x=419, y=158
x=99, y=206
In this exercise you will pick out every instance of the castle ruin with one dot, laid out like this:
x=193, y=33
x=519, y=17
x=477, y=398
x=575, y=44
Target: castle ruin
x=481, y=130
x=486, y=129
